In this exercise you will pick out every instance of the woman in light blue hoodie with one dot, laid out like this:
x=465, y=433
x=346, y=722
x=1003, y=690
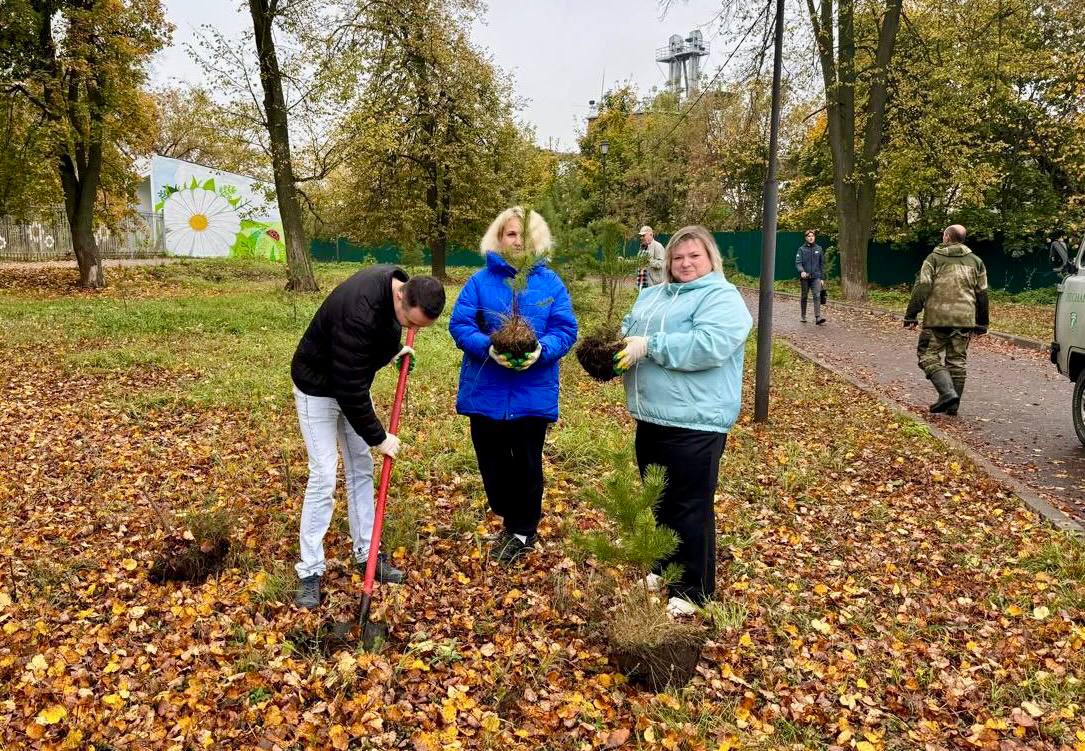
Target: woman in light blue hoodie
x=682, y=363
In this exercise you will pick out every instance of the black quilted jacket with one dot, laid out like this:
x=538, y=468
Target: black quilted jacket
x=354, y=334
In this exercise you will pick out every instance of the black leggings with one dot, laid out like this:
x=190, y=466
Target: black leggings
x=692, y=461
x=509, y=456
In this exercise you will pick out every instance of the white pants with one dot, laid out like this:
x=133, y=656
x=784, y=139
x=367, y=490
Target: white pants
x=324, y=427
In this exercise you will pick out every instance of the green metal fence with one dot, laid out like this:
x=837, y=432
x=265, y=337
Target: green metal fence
x=888, y=264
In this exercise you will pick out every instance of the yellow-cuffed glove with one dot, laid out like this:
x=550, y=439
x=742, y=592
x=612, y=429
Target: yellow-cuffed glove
x=501, y=359
x=636, y=347
x=530, y=358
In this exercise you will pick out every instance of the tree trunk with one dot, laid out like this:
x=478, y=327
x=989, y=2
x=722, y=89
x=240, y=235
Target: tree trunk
x=79, y=209
x=78, y=158
x=298, y=261
x=87, y=253
x=855, y=155
x=852, y=244
x=439, y=248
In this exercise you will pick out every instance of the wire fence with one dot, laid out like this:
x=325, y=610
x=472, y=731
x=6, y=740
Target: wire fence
x=47, y=237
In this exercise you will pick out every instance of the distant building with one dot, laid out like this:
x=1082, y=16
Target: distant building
x=209, y=213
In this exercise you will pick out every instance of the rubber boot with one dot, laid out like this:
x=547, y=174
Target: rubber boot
x=947, y=397
x=958, y=386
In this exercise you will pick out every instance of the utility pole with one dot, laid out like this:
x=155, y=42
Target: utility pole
x=768, y=236
x=604, y=147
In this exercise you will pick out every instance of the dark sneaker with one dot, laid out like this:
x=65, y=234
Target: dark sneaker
x=513, y=550
x=802, y=320
x=308, y=595
x=819, y=321
x=499, y=543
x=386, y=573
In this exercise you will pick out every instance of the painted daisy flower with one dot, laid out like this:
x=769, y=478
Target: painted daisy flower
x=199, y=223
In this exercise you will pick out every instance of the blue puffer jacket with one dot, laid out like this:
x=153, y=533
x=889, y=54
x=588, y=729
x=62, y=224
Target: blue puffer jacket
x=489, y=389
x=692, y=375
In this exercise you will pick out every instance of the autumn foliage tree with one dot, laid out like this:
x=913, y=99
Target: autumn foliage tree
x=434, y=148
x=80, y=65
x=264, y=14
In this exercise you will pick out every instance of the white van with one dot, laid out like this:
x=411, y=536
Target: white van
x=1068, y=349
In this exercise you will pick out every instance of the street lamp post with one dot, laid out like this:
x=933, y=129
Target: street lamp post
x=763, y=380
x=604, y=147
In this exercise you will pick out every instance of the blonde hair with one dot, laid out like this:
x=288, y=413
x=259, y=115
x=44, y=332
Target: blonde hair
x=540, y=239
x=693, y=232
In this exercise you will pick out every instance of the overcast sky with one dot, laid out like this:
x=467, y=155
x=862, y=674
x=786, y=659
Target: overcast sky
x=560, y=52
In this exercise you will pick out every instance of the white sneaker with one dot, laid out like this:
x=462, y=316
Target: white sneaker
x=654, y=582
x=680, y=606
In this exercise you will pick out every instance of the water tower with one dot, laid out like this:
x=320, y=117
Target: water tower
x=683, y=57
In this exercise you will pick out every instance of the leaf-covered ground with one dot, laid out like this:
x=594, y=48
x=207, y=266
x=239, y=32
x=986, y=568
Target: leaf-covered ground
x=876, y=591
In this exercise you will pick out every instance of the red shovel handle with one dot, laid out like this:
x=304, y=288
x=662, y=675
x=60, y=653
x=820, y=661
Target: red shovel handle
x=386, y=470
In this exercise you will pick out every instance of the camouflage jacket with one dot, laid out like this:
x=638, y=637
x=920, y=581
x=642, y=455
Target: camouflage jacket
x=951, y=290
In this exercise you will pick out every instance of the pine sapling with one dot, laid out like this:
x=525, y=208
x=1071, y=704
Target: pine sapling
x=596, y=352
x=645, y=643
x=516, y=339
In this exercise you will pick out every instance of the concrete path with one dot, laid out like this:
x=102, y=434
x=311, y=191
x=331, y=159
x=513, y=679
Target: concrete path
x=1016, y=409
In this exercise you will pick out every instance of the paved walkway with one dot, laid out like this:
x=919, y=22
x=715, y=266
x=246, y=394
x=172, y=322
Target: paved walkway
x=1016, y=407
x=71, y=264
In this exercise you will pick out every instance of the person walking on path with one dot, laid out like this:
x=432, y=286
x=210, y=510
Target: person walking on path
x=682, y=364
x=355, y=332
x=652, y=252
x=951, y=292
x=510, y=404
x=810, y=263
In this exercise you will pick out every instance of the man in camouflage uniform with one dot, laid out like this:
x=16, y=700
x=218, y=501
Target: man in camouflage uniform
x=951, y=290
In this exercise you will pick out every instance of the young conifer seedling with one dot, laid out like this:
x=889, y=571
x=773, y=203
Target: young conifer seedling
x=645, y=643
x=596, y=352
x=516, y=339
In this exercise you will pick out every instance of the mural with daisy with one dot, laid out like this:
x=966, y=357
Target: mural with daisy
x=212, y=214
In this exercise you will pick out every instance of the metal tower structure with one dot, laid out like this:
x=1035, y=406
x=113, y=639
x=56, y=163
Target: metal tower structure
x=683, y=57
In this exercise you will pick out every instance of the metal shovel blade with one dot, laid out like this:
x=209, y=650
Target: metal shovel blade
x=335, y=636
x=374, y=636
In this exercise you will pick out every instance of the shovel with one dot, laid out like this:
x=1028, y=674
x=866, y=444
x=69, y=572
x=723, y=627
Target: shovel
x=338, y=634
x=375, y=633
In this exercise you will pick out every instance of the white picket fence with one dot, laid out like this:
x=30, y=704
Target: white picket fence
x=47, y=237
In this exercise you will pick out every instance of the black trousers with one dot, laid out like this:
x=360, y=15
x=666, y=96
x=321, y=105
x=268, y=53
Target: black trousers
x=509, y=456
x=810, y=286
x=692, y=461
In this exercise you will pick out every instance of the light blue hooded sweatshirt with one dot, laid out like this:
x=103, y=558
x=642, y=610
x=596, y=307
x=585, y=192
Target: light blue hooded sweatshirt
x=692, y=375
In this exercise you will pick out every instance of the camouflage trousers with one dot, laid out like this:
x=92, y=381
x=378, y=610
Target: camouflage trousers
x=952, y=344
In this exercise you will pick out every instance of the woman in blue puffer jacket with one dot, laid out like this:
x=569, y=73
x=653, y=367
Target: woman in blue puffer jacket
x=682, y=365
x=511, y=403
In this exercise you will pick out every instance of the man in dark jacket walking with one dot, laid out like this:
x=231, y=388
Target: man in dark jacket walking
x=951, y=290
x=810, y=263
x=355, y=333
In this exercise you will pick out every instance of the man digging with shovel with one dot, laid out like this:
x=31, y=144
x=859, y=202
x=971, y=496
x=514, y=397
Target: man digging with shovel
x=355, y=333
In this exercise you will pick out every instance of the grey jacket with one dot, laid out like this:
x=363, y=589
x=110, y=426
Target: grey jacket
x=809, y=258
x=654, y=256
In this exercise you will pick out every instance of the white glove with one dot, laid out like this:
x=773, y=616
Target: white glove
x=389, y=446
x=499, y=358
x=636, y=347
x=398, y=359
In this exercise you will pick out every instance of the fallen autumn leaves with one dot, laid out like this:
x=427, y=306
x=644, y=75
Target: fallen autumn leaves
x=880, y=592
